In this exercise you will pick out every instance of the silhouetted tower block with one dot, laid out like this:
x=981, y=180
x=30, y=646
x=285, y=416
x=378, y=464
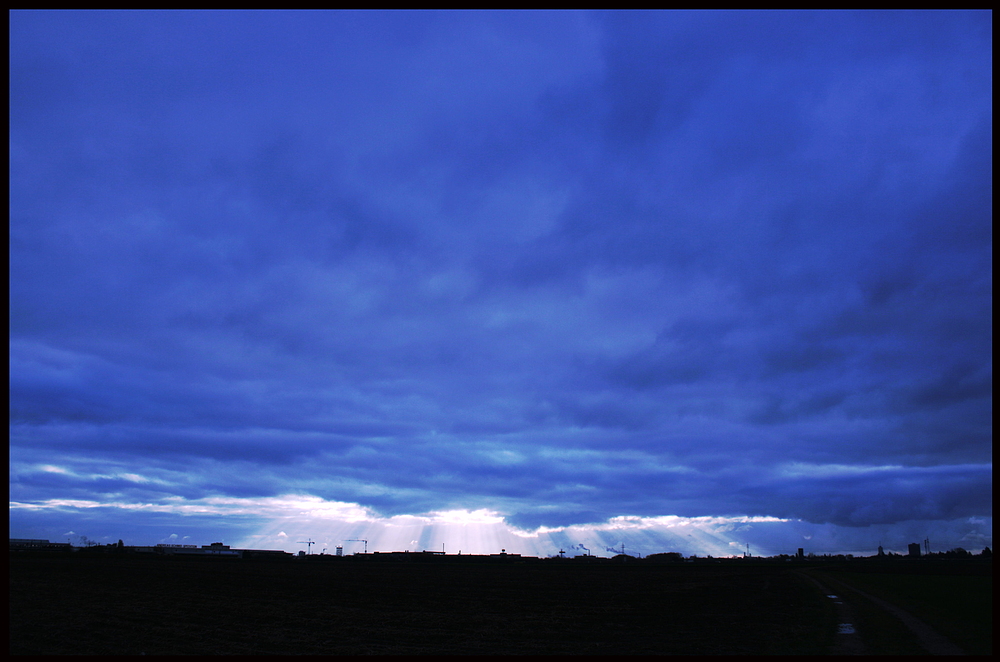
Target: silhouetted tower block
x=881, y=552
x=800, y=554
x=340, y=550
x=913, y=549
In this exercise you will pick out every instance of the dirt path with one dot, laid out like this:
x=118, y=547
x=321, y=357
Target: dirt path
x=849, y=641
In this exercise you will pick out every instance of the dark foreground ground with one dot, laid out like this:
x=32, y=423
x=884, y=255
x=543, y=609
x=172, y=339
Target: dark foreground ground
x=954, y=598
x=111, y=605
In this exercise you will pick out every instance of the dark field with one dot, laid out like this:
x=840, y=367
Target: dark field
x=208, y=606
x=161, y=605
x=956, y=599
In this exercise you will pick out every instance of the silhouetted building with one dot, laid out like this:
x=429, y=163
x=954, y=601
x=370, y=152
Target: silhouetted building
x=34, y=545
x=800, y=554
x=218, y=549
x=913, y=549
x=215, y=549
x=663, y=557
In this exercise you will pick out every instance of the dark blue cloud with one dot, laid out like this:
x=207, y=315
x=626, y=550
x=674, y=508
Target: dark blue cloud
x=562, y=266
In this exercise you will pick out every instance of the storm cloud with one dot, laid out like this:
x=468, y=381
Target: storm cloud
x=555, y=267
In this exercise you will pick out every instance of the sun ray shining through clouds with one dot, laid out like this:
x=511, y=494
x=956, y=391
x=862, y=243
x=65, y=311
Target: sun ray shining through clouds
x=678, y=281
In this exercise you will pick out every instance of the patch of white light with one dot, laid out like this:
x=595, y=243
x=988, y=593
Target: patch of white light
x=459, y=530
x=49, y=468
x=463, y=517
x=131, y=477
x=665, y=521
x=802, y=469
x=135, y=478
x=646, y=535
x=55, y=504
x=287, y=521
x=173, y=505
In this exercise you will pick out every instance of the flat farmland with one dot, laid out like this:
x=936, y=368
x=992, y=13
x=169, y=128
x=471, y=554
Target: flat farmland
x=955, y=599
x=127, y=605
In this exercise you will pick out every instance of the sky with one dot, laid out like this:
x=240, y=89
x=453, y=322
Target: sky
x=640, y=281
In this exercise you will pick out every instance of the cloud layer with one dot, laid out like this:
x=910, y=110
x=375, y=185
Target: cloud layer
x=561, y=267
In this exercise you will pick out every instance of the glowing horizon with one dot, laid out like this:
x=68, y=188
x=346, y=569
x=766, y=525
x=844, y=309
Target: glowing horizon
x=286, y=522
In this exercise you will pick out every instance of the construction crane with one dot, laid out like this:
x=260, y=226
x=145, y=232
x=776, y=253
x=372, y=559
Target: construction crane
x=309, y=543
x=359, y=540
